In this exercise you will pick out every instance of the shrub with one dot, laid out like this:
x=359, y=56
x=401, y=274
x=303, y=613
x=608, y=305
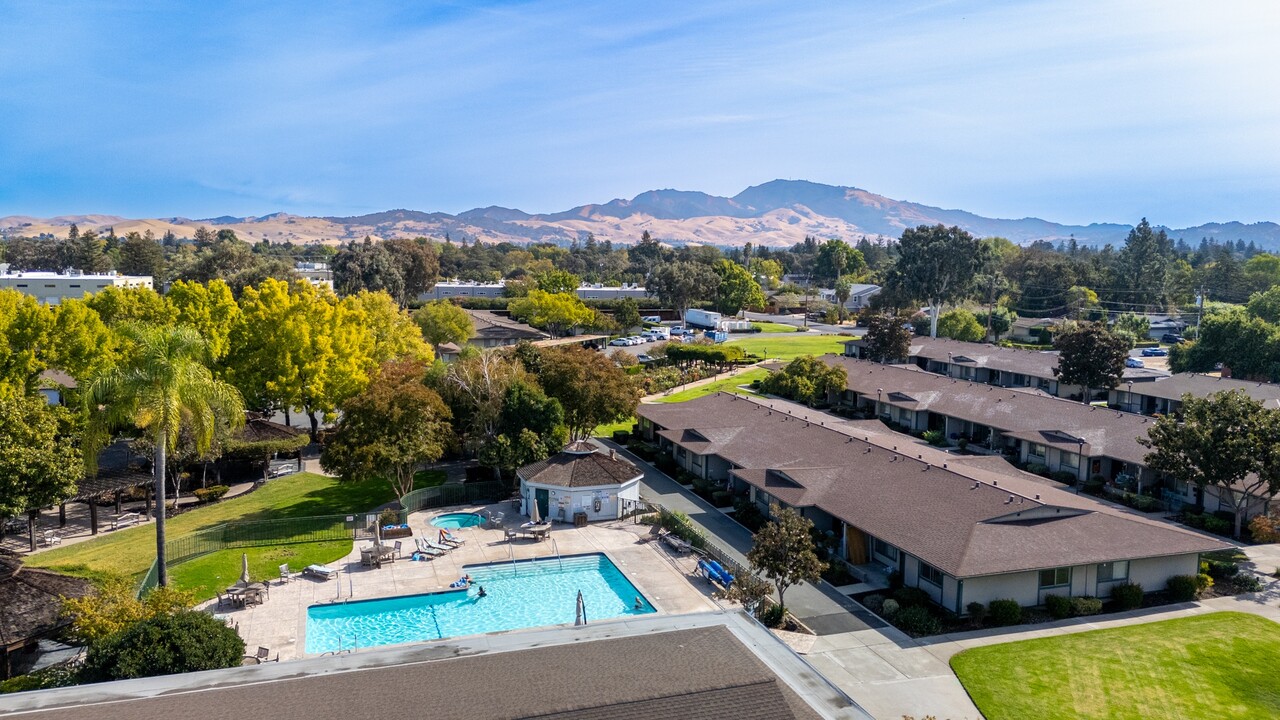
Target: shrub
x=1203, y=582
x=389, y=516
x=211, y=493
x=1038, y=469
x=917, y=621
x=1219, y=569
x=187, y=641
x=873, y=602
x=1059, y=606
x=935, y=437
x=1145, y=503
x=747, y=514
x=1127, y=596
x=1005, y=612
x=722, y=498
x=1182, y=588
x=1063, y=476
x=895, y=579
x=889, y=608
x=622, y=437
x=1085, y=605
x=911, y=597
x=977, y=613
x=1217, y=525
x=771, y=616
x=1246, y=582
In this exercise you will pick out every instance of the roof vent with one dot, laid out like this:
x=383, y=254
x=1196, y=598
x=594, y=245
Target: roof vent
x=1010, y=500
x=864, y=452
x=995, y=483
x=944, y=466
x=976, y=484
x=1037, y=496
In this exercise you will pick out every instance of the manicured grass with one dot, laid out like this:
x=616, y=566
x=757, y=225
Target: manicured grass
x=606, y=431
x=208, y=574
x=428, y=478
x=129, y=552
x=1220, y=665
x=729, y=384
x=773, y=327
x=792, y=346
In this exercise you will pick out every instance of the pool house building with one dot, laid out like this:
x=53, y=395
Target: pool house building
x=580, y=483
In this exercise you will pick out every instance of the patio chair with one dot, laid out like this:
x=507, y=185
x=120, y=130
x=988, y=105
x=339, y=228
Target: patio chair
x=437, y=546
x=285, y=575
x=51, y=537
x=450, y=538
x=320, y=572
x=398, y=549
x=425, y=548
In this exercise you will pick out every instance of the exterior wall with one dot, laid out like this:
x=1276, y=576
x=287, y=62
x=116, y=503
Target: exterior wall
x=496, y=290
x=717, y=468
x=1151, y=573
x=563, y=503
x=51, y=289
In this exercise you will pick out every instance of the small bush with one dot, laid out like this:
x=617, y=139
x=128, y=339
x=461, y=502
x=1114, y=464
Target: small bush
x=917, y=621
x=977, y=613
x=1203, y=582
x=1193, y=520
x=895, y=579
x=1059, y=606
x=1182, y=588
x=1127, y=596
x=1246, y=582
x=389, y=517
x=1063, y=476
x=1005, y=612
x=1217, y=525
x=1219, y=569
x=889, y=608
x=1085, y=606
x=211, y=493
x=722, y=498
x=874, y=603
x=186, y=641
x=771, y=616
x=936, y=438
x=911, y=597
x=622, y=437
x=1145, y=503
x=1038, y=469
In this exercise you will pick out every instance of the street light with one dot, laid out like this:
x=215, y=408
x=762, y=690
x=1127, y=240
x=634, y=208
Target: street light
x=1080, y=460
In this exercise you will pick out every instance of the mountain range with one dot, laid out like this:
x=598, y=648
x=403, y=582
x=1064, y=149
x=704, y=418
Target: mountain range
x=779, y=213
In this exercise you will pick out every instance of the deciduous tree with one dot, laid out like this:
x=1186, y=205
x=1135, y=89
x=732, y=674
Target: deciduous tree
x=938, y=265
x=210, y=309
x=737, y=289
x=40, y=464
x=784, y=552
x=443, y=322
x=591, y=389
x=557, y=313
x=386, y=431
x=960, y=324
x=887, y=338
x=1090, y=356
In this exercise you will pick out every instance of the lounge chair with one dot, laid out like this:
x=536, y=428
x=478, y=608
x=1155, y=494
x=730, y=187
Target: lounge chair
x=437, y=546
x=449, y=537
x=425, y=548
x=321, y=572
x=676, y=543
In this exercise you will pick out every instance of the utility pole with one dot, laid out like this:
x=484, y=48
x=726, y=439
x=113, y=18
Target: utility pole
x=1199, y=310
x=808, y=290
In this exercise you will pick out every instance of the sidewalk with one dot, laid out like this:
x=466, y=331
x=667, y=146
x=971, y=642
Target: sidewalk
x=697, y=383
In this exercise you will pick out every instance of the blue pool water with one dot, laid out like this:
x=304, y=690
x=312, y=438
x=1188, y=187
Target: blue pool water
x=530, y=594
x=455, y=521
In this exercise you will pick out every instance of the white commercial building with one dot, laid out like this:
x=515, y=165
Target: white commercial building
x=52, y=288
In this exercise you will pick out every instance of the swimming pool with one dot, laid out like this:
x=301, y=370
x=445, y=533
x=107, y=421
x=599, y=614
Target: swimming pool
x=454, y=521
x=528, y=594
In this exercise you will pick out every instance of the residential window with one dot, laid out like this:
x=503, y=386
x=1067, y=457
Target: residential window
x=881, y=547
x=930, y=574
x=1037, y=450
x=1070, y=461
x=1113, y=571
x=1056, y=577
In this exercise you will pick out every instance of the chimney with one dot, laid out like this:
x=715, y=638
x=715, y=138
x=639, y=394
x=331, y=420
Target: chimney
x=613, y=454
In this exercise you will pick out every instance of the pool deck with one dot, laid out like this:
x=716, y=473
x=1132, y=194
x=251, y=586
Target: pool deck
x=279, y=623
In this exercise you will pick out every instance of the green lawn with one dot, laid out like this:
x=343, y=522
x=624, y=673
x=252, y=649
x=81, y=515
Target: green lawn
x=1220, y=665
x=606, y=431
x=773, y=327
x=792, y=346
x=729, y=384
x=428, y=478
x=129, y=552
x=208, y=574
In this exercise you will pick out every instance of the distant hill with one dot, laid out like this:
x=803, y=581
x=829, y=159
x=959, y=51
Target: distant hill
x=779, y=213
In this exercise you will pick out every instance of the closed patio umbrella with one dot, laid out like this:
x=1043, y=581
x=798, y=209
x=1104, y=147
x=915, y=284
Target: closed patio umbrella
x=534, y=516
x=581, y=616
x=244, y=568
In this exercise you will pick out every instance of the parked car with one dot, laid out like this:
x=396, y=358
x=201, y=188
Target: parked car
x=679, y=330
x=654, y=319
x=620, y=342
x=644, y=357
x=1172, y=338
x=1154, y=352
x=1133, y=362
x=637, y=340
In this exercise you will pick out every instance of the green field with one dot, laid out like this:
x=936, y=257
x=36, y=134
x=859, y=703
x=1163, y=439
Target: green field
x=1221, y=665
x=606, y=431
x=772, y=327
x=208, y=574
x=129, y=553
x=792, y=346
x=729, y=384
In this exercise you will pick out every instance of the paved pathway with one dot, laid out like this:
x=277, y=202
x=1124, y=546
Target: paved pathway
x=697, y=383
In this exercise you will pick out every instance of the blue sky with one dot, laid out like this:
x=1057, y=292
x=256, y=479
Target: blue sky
x=1072, y=111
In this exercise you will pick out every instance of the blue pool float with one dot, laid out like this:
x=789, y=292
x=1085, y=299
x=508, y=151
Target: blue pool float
x=714, y=571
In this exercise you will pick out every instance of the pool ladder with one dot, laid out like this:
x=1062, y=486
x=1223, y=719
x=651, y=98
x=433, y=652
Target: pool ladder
x=512, y=553
x=557, y=550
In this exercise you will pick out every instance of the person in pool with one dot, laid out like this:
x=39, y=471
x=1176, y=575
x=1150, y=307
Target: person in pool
x=639, y=604
x=482, y=593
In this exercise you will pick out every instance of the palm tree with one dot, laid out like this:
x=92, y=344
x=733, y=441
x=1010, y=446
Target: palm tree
x=160, y=386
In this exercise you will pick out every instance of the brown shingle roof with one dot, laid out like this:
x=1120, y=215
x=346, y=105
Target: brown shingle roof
x=1108, y=433
x=702, y=673
x=917, y=498
x=495, y=327
x=1175, y=386
x=30, y=601
x=580, y=465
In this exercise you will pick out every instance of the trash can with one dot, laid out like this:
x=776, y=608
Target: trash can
x=579, y=519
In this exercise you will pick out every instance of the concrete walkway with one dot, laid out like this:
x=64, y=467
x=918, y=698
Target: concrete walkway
x=881, y=668
x=697, y=383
